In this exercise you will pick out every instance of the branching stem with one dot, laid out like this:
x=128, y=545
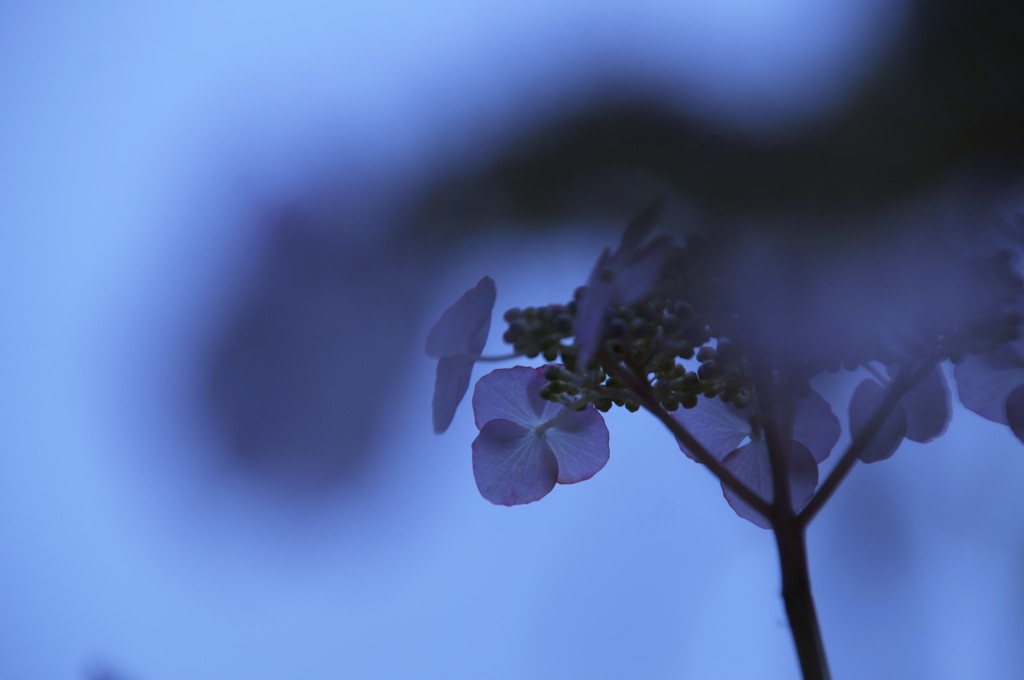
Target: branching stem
x=905, y=381
x=641, y=388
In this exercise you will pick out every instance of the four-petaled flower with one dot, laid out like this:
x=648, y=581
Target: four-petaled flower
x=456, y=341
x=620, y=278
x=528, y=444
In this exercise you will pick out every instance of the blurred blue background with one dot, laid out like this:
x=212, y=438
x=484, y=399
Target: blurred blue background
x=224, y=232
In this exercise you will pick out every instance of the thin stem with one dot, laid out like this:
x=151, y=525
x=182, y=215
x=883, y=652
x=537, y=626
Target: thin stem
x=796, y=593
x=499, y=357
x=905, y=381
x=645, y=397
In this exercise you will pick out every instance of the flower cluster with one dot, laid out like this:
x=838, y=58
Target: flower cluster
x=722, y=346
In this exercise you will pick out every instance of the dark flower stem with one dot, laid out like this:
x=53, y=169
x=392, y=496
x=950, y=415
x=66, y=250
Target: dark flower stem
x=796, y=593
x=789, y=526
x=498, y=358
x=776, y=419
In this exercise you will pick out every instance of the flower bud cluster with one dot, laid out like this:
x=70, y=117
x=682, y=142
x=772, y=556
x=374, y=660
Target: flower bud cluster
x=660, y=337
x=539, y=331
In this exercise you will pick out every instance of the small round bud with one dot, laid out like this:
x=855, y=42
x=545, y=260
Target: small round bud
x=709, y=370
x=727, y=352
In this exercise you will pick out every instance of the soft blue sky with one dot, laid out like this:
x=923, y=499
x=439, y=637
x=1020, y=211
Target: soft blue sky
x=130, y=135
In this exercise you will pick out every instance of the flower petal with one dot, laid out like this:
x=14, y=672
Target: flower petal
x=635, y=280
x=718, y=426
x=579, y=440
x=816, y=426
x=640, y=226
x=1015, y=412
x=984, y=381
x=752, y=466
x=590, y=315
x=620, y=278
x=889, y=436
x=512, y=465
x=928, y=407
x=463, y=327
x=511, y=394
x=450, y=385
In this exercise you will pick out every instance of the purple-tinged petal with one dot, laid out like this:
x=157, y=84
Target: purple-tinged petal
x=641, y=225
x=889, y=436
x=718, y=426
x=928, y=407
x=463, y=327
x=512, y=465
x=752, y=466
x=1015, y=412
x=579, y=440
x=816, y=426
x=450, y=385
x=635, y=280
x=984, y=381
x=510, y=394
x=620, y=278
x=592, y=310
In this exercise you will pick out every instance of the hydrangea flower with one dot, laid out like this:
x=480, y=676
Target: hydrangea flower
x=456, y=341
x=722, y=427
x=528, y=444
x=620, y=278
